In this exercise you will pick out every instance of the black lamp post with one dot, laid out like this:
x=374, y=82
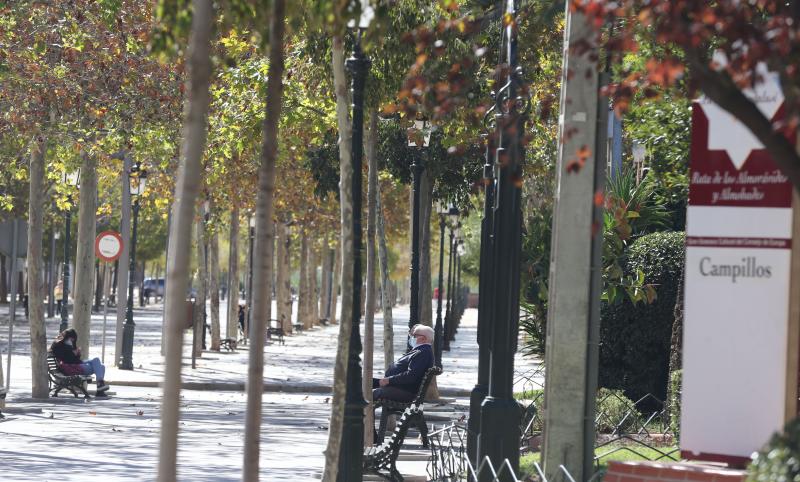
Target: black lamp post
x=249, y=298
x=72, y=179
x=352, y=446
x=444, y=212
x=448, y=315
x=417, y=168
x=137, y=179
x=51, y=274
x=500, y=431
x=485, y=293
x=206, y=217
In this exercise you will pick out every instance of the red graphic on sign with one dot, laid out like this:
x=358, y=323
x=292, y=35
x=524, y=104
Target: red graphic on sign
x=715, y=181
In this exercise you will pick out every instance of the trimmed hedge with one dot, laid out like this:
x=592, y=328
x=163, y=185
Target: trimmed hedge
x=635, y=339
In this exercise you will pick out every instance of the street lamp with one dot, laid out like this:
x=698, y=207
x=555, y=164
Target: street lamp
x=51, y=298
x=448, y=315
x=485, y=294
x=500, y=431
x=137, y=180
x=206, y=217
x=72, y=179
x=421, y=133
x=444, y=211
x=352, y=443
x=249, y=299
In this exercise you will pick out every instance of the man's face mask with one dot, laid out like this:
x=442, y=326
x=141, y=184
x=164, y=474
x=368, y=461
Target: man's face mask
x=68, y=342
x=413, y=341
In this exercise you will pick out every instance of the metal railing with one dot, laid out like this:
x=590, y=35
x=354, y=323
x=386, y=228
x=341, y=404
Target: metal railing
x=638, y=427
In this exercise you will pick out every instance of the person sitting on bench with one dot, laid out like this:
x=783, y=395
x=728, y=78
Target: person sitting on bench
x=69, y=359
x=403, y=378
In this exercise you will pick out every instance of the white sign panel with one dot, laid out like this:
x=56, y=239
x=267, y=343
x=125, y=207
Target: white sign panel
x=738, y=253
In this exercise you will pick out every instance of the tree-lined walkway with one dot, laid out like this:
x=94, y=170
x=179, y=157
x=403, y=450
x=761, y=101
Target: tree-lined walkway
x=70, y=436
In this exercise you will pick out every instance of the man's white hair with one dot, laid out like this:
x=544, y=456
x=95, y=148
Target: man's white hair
x=423, y=330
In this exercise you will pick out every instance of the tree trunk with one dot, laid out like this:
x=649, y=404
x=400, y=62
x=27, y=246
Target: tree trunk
x=313, y=284
x=198, y=63
x=284, y=283
x=425, y=289
x=123, y=262
x=213, y=288
x=84, y=260
x=202, y=283
x=264, y=244
x=303, y=315
x=386, y=288
x=336, y=277
x=346, y=206
x=3, y=280
x=140, y=281
x=98, y=286
x=39, y=387
x=371, y=142
x=325, y=279
x=233, y=277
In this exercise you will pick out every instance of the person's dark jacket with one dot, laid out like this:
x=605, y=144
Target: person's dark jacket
x=407, y=372
x=64, y=354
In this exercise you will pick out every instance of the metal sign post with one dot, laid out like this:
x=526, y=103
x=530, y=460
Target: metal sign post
x=108, y=248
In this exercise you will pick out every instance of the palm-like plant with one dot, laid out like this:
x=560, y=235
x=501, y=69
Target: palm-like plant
x=630, y=211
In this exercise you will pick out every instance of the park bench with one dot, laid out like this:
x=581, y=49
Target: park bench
x=59, y=381
x=229, y=344
x=381, y=459
x=275, y=328
x=392, y=407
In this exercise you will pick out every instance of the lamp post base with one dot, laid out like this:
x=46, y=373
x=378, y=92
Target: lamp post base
x=127, y=346
x=351, y=453
x=476, y=398
x=499, y=437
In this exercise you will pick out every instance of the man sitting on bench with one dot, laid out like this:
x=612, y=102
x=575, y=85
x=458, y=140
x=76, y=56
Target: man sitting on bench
x=69, y=359
x=402, y=380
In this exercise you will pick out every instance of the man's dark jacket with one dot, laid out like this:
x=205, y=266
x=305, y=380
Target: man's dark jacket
x=407, y=372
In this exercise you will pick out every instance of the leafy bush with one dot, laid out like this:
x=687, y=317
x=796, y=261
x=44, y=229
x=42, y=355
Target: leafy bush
x=675, y=385
x=780, y=459
x=635, y=338
x=615, y=412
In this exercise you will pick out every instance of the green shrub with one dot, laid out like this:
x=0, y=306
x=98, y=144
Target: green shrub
x=635, y=338
x=615, y=411
x=780, y=459
x=675, y=385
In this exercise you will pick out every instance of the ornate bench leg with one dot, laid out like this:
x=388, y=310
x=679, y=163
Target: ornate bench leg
x=382, y=426
x=422, y=426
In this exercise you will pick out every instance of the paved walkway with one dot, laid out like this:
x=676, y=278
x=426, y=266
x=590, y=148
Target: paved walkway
x=66, y=438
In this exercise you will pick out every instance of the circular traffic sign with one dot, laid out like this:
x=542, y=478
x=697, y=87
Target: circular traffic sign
x=108, y=246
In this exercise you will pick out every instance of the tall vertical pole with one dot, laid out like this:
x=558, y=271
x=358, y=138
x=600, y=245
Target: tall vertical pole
x=448, y=314
x=51, y=298
x=12, y=306
x=416, y=173
x=499, y=437
x=252, y=234
x=130, y=326
x=573, y=305
x=437, y=341
x=352, y=447
x=65, y=281
x=485, y=296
